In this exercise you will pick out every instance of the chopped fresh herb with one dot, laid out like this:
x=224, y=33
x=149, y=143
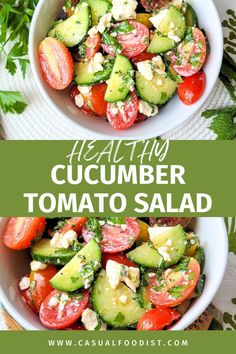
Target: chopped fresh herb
x=119, y=317
x=124, y=27
x=82, y=50
x=76, y=247
x=74, y=279
x=176, y=291
x=94, y=227
x=62, y=222
x=111, y=41
x=183, y=265
x=76, y=295
x=116, y=220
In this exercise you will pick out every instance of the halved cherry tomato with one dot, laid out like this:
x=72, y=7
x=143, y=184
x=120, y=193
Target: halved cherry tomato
x=85, y=108
x=190, y=57
x=142, y=57
x=173, y=221
x=55, y=317
x=76, y=224
x=192, y=88
x=76, y=327
x=115, y=239
x=133, y=43
x=124, y=118
x=176, y=284
x=152, y=5
x=40, y=284
x=117, y=257
x=27, y=298
x=97, y=99
x=157, y=319
x=141, y=118
x=20, y=232
x=93, y=44
x=56, y=63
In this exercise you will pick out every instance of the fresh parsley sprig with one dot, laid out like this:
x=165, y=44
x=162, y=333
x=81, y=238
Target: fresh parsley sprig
x=12, y=102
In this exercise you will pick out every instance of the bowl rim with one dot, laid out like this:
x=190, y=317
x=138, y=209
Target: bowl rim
x=99, y=135
x=185, y=323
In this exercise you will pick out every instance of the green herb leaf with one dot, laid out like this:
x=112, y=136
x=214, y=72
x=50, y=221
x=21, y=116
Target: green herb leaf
x=111, y=41
x=12, y=102
x=176, y=291
x=223, y=123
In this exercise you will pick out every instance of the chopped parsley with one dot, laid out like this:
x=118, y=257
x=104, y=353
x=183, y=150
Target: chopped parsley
x=176, y=291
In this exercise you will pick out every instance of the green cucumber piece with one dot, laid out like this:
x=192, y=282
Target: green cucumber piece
x=174, y=18
x=144, y=298
x=98, y=9
x=199, y=287
x=83, y=77
x=149, y=90
x=73, y=30
x=199, y=255
x=191, y=16
x=43, y=252
x=69, y=277
x=117, y=89
x=174, y=75
x=106, y=303
x=146, y=256
x=177, y=239
x=160, y=44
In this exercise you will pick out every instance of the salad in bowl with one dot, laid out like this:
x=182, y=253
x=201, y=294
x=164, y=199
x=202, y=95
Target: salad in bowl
x=108, y=273
x=124, y=59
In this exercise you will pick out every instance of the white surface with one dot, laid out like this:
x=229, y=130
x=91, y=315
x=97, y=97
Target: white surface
x=213, y=237
x=40, y=121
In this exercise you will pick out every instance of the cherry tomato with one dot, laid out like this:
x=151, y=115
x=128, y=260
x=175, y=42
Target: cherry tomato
x=76, y=327
x=117, y=257
x=85, y=108
x=190, y=57
x=143, y=57
x=176, y=284
x=27, y=298
x=124, y=118
x=54, y=317
x=152, y=5
x=173, y=221
x=115, y=239
x=76, y=224
x=141, y=118
x=192, y=88
x=93, y=44
x=133, y=43
x=40, y=284
x=157, y=319
x=20, y=232
x=97, y=98
x=56, y=63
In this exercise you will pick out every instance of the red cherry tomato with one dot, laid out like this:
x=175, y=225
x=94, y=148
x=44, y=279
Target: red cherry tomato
x=124, y=118
x=192, y=88
x=176, y=285
x=152, y=5
x=76, y=327
x=190, y=57
x=143, y=57
x=141, y=118
x=27, y=298
x=133, y=43
x=20, y=232
x=117, y=257
x=97, y=98
x=55, y=318
x=115, y=239
x=173, y=221
x=93, y=44
x=40, y=284
x=157, y=319
x=85, y=108
x=56, y=63
x=76, y=224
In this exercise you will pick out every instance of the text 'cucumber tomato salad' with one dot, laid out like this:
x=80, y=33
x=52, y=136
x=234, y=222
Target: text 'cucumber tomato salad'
x=108, y=273
x=126, y=58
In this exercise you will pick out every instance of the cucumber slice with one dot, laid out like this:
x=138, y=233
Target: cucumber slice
x=83, y=77
x=43, y=252
x=69, y=277
x=174, y=75
x=174, y=20
x=160, y=44
x=98, y=9
x=146, y=256
x=191, y=17
x=107, y=304
x=199, y=255
x=143, y=298
x=175, y=240
x=73, y=30
x=116, y=89
x=149, y=90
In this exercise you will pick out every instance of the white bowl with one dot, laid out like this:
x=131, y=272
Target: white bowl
x=211, y=231
x=170, y=116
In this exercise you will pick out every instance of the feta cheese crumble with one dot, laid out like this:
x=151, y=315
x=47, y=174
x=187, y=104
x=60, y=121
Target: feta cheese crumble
x=35, y=266
x=148, y=68
x=24, y=283
x=85, y=90
x=79, y=100
x=63, y=240
x=103, y=24
x=147, y=109
x=91, y=321
x=117, y=273
x=54, y=301
x=124, y=9
x=95, y=63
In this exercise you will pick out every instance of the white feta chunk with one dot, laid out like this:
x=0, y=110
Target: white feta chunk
x=117, y=273
x=93, y=31
x=145, y=68
x=104, y=22
x=91, y=321
x=54, y=301
x=124, y=9
x=62, y=303
x=164, y=253
x=85, y=90
x=95, y=63
x=35, y=266
x=65, y=240
x=24, y=283
x=157, y=19
x=147, y=109
x=79, y=100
